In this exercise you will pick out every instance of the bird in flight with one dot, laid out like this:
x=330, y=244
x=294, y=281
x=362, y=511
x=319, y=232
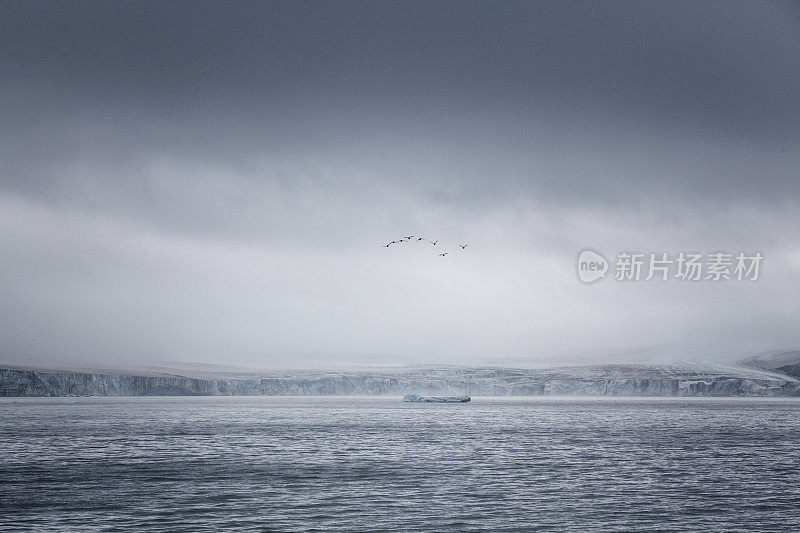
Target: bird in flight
x=409, y=238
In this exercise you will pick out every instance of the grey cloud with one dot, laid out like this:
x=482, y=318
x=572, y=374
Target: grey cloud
x=211, y=181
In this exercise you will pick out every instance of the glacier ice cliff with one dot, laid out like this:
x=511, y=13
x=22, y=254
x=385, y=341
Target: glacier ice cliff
x=601, y=380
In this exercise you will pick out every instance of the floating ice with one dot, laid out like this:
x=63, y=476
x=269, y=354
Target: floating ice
x=435, y=399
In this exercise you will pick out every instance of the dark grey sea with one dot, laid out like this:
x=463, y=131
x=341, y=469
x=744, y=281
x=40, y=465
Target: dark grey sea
x=376, y=464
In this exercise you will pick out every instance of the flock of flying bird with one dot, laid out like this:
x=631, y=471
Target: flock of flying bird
x=414, y=238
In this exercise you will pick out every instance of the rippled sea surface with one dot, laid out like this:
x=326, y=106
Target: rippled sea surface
x=372, y=464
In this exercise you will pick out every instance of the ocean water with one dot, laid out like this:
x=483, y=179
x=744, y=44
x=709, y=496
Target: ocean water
x=376, y=464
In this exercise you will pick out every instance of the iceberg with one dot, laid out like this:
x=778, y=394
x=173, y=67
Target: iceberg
x=435, y=399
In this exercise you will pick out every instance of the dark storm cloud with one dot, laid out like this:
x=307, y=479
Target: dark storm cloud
x=230, y=80
x=190, y=179
x=703, y=60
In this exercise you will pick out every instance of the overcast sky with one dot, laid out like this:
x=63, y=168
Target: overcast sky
x=214, y=181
